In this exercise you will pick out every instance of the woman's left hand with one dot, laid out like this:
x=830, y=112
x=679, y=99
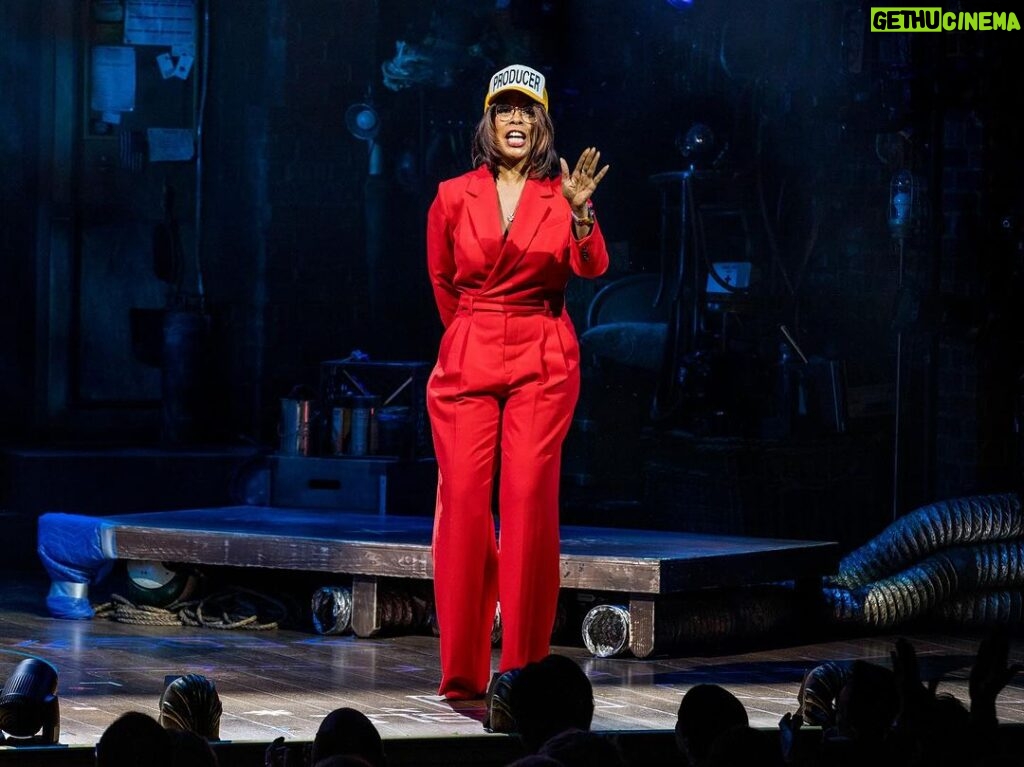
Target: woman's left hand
x=578, y=186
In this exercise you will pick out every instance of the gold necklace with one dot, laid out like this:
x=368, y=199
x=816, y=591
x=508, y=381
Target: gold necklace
x=509, y=217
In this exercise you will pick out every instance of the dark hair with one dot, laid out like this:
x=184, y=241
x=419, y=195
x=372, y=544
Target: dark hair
x=706, y=711
x=134, y=739
x=348, y=732
x=869, y=701
x=542, y=162
x=550, y=696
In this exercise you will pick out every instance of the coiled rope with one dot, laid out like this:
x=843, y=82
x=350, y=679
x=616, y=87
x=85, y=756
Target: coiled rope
x=232, y=608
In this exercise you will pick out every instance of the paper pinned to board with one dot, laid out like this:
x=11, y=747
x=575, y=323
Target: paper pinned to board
x=183, y=67
x=166, y=65
x=160, y=22
x=170, y=144
x=112, y=78
x=171, y=66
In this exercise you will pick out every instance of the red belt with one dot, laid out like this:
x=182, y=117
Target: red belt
x=474, y=304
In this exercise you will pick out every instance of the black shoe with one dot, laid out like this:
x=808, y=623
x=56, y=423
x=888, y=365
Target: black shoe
x=499, y=712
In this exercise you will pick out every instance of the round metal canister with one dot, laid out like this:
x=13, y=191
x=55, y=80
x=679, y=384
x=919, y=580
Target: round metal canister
x=295, y=426
x=362, y=435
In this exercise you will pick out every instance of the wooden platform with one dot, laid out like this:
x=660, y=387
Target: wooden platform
x=643, y=565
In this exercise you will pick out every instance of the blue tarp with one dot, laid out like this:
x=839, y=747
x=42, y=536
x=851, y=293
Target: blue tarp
x=71, y=550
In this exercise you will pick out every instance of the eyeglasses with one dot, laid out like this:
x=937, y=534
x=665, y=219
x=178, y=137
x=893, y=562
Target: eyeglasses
x=504, y=112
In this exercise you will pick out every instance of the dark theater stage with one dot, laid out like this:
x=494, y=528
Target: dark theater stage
x=798, y=433
x=280, y=683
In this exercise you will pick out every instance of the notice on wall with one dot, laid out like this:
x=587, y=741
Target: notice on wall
x=166, y=65
x=112, y=72
x=183, y=67
x=170, y=144
x=171, y=66
x=160, y=22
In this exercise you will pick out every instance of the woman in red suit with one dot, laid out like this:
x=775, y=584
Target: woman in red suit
x=502, y=242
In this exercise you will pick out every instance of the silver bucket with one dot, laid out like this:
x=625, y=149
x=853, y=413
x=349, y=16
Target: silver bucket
x=296, y=419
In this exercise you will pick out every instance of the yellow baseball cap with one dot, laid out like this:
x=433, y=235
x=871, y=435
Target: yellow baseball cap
x=517, y=77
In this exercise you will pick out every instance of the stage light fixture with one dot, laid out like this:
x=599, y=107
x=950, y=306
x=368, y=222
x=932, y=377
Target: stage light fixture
x=362, y=121
x=157, y=585
x=697, y=144
x=29, y=710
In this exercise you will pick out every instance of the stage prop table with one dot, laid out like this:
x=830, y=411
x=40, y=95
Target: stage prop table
x=645, y=567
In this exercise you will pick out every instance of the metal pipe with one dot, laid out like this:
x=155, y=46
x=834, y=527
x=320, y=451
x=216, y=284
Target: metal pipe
x=898, y=399
x=203, y=82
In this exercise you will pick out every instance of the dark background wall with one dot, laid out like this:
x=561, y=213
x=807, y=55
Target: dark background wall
x=306, y=256
x=19, y=189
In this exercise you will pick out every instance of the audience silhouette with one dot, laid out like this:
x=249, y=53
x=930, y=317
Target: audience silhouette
x=189, y=749
x=550, y=696
x=881, y=717
x=134, y=739
x=705, y=711
x=347, y=732
x=582, y=748
x=343, y=760
x=744, y=745
x=891, y=717
x=536, y=760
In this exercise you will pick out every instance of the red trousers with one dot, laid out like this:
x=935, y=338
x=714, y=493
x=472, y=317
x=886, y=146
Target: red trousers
x=507, y=378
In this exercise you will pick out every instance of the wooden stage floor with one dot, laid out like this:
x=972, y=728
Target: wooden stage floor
x=282, y=682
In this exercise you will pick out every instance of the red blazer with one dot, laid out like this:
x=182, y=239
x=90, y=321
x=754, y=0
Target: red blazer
x=468, y=254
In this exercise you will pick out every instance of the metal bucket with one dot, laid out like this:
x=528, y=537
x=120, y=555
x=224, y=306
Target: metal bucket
x=341, y=426
x=363, y=432
x=296, y=419
x=395, y=431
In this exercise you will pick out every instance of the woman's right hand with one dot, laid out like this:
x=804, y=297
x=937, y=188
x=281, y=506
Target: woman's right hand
x=578, y=186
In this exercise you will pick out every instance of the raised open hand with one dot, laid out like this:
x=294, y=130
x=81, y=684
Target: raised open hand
x=578, y=186
x=914, y=697
x=991, y=672
x=789, y=728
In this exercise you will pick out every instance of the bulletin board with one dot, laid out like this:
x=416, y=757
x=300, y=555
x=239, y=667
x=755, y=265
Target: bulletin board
x=139, y=99
x=140, y=70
